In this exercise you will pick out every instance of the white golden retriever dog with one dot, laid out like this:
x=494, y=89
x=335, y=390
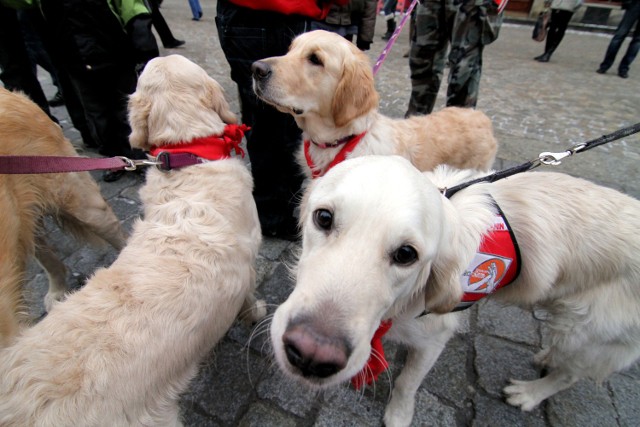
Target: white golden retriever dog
x=326, y=83
x=380, y=242
x=121, y=350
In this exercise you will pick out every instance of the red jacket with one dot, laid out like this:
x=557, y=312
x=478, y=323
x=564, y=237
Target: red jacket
x=310, y=8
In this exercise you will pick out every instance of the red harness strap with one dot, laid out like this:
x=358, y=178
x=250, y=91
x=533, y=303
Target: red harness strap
x=209, y=147
x=349, y=146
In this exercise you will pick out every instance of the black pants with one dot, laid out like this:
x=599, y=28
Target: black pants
x=246, y=36
x=16, y=70
x=557, y=27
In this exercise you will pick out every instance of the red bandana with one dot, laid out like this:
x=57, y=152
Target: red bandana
x=376, y=364
x=348, y=148
x=209, y=147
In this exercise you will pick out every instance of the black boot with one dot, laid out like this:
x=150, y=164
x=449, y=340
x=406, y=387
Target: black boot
x=391, y=27
x=544, y=57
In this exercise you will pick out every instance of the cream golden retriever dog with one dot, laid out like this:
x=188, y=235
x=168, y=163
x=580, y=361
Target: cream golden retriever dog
x=121, y=350
x=326, y=83
x=380, y=242
x=73, y=199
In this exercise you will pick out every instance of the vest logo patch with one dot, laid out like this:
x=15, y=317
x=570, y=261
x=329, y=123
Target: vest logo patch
x=484, y=273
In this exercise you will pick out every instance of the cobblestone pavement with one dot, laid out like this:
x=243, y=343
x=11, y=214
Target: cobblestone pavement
x=535, y=107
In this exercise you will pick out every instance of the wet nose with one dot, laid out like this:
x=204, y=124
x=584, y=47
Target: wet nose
x=314, y=353
x=261, y=70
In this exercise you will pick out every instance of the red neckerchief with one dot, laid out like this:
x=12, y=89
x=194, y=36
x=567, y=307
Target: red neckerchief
x=209, y=147
x=495, y=265
x=349, y=146
x=376, y=364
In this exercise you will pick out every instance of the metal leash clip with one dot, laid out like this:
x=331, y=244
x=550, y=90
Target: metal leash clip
x=132, y=164
x=554, y=159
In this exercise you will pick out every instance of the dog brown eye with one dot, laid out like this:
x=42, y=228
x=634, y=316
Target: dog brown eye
x=323, y=219
x=313, y=58
x=405, y=255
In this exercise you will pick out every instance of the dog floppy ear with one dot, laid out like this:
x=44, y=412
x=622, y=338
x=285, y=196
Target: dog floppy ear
x=443, y=290
x=355, y=94
x=139, y=108
x=214, y=99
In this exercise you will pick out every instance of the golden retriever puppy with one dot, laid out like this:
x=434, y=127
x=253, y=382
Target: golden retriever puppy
x=326, y=83
x=120, y=351
x=74, y=200
x=380, y=243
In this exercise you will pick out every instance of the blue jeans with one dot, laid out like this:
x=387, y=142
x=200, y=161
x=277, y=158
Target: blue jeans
x=629, y=18
x=246, y=36
x=196, y=9
x=389, y=6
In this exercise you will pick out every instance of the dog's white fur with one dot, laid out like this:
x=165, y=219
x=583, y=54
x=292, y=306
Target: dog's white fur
x=74, y=200
x=326, y=83
x=121, y=350
x=579, y=246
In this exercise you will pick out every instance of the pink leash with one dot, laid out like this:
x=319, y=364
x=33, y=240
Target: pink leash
x=393, y=38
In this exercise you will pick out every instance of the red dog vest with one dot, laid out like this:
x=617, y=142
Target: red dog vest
x=494, y=266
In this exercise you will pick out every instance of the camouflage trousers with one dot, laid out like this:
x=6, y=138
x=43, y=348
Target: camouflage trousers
x=460, y=27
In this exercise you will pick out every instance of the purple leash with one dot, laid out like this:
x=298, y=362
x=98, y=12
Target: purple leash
x=57, y=164
x=393, y=38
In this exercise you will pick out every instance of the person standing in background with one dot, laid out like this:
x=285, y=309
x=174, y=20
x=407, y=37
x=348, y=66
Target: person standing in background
x=561, y=13
x=357, y=18
x=161, y=26
x=631, y=16
x=462, y=28
x=389, y=13
x=100, y=44
x=250, y=30
x=196, y=10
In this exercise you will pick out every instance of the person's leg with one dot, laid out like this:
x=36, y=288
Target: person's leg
x=161, y=26
x=247, y=36
x=196, y=10
x=624, y=27
x=557, y=27
x=104, y=96
x=634, y=45
x=16, y=69
x=427, y=57
x=465, y=57
x=389, y=10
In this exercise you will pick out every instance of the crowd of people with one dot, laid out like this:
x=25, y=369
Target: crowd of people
x=94, y=56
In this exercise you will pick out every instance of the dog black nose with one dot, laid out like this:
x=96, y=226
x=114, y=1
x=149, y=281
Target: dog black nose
x=261, y=70
x=314, y=354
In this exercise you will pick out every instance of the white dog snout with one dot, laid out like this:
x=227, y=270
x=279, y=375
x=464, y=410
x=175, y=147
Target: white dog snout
x=314, y=352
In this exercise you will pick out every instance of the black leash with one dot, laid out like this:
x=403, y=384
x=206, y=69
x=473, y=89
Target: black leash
x=546, y=158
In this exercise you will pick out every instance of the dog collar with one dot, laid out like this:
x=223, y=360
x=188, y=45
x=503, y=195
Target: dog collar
x=349, y=143
x=495, y=265
x=208, y=147
x=377, y=363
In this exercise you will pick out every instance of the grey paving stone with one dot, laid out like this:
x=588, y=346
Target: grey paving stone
x=262, y=414
x=497, y=361
x=583, y=404
x=508, y=322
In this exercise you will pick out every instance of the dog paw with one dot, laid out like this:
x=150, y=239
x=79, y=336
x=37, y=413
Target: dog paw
x=519, y=394
x=53, y=297
x=398, y=413
x=542, y=357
